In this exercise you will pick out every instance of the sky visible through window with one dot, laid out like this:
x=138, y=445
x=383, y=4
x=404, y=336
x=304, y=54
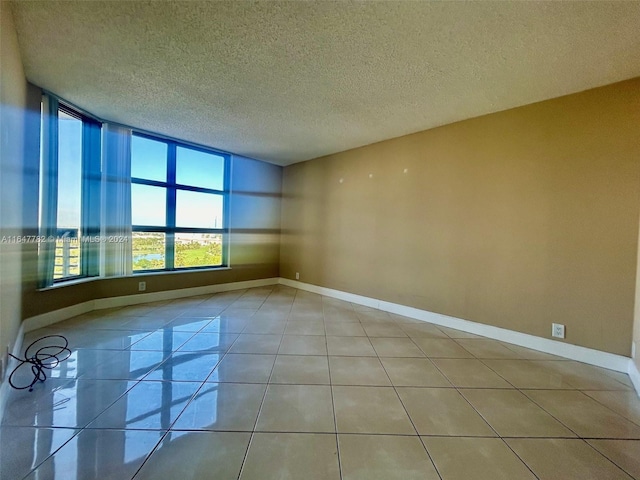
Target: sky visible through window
x=193, y=168
x=69, y=171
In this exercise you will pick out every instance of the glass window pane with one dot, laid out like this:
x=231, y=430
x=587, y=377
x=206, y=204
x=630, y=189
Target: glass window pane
x=148, y=205
x=198, y=210
x=198, y=250
x=148, y=250
x=199, y=169
x=69, y=213
x=148, y=159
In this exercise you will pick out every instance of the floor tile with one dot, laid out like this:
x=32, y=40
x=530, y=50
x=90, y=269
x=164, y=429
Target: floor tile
x=314, y=327
x=164, y=340
x=512, y=414
x=423, y=329
x=243, y=368
x=97, y=322
x=470, y=373
x=624, y=453
x=395, y=347
x=222, y=406
x=299, y=315
x=99, y=455
x=301, y=370
x=292, y=456
x=125, y=365
x=370, y=410
x=414, y=372
x=303, y=345
x=383, y=330
x=626, y=403
x=384, y=457
x=443, y=411
x=341, y=318
x=586, y=377
x=111, y=339
x=344, y=329
x=70, y=404
x=357, y=371
x=251, y=343
x=209, y=342
x=50, y=336
x=529, y=354
x=486, y=348
x=188, y=324
x=186, y=367
x=584, y=415
x=454, y=333
x=297, y=408
x=24, y=448
x=459, y=458
x=271, y=326
x=350, y=346
x=226, y=324
x=441, y=348
x=159, y=320
x=561, y=459
x=196, y=455
x=528, y=374
x=147, y=406
x=78, y=364
x=373, y=316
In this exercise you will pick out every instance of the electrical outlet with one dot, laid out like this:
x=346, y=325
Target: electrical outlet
x=297, y=275
x=557, y=330
x=142, y=286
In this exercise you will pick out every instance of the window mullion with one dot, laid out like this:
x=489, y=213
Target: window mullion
x=226, y=209
x=171, y=206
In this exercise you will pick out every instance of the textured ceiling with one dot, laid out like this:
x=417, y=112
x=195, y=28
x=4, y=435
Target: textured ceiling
x=290, y=81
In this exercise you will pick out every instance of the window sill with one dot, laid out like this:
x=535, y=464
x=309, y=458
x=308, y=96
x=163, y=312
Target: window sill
x=173, y=272
x=70, y=282
x=79, y=281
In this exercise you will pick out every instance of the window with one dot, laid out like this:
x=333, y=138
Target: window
x=178, y=205
x=69, y=193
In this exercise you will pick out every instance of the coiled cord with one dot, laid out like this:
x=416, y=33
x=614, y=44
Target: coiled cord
x=47, y=357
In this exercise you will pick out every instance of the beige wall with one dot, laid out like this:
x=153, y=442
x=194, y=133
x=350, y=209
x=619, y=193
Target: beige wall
x=636, y=319
x=13, y=87
x=516, y=219
x=254, y=251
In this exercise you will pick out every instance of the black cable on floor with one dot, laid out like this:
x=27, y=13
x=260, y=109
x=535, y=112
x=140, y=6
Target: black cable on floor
x=47, y=357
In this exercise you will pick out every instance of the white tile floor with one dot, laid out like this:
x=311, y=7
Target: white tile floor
x=276, y=383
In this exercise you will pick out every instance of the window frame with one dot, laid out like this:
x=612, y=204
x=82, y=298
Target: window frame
x=90, y=185
x=171, y=188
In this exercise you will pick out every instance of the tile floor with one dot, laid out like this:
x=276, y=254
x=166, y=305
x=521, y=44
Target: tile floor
x=277, y=383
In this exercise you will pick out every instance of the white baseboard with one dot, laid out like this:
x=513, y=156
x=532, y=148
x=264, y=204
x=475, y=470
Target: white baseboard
x=591, y=356
x=55, y=316
x=11, y=364
x=49, y=318
x=634, y=375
